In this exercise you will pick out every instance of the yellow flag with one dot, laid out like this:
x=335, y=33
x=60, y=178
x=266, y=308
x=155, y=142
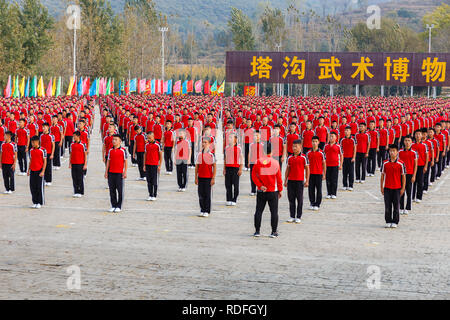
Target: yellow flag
x=54, y=87
x=221, y=88
x=69, y=90
x=22, y=87
x=41, y=89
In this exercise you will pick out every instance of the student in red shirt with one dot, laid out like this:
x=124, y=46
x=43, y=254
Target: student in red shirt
x=296, y=179
x=249, y=133
x=107, y=142
x=116, y=172
x=78, y=163
x=205, y=176
x=348, y=145
x=383, y=135
x=153, y=161
x=139, y=150
x=168, y=142
x=182, y=156
x=392, y=184
x=22, y=137
x=374, y=147
x=234, y=163
x=256, y=151
x=48, y=143
x=422, y=166
x=362, y=153
x=57, y=132
x=36, y=171
x=266, y=175
x=8, y=159
x=307, y=136
x=70, y=129
x=334, y=159
x=409, y=158
x=290, y=138
x=322, y=132
x=318, y=172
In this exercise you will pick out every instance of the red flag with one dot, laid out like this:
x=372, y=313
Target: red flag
x=74, y=89
x=207, y=87
x=148, y=87
x=190, y=86
x=127, y=87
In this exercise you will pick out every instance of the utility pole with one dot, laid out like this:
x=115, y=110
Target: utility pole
x=279, y=49
x=429, y=47
x=163, y=30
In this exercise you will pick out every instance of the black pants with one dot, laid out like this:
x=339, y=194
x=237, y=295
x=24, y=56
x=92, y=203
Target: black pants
x=417, y=192
x=332, y=180
x=130, y=149
x=48, y=170
x=361, y=163
x=232, y=183
x=407, y=193
x=67, y=142
x=348, y=173
x=381, y=156
x=204, y=194
x=182, y=173
x=262, y=199
x=115, y=182
x=391, y=205
x=439, y=165
x=397, y=142
x=152, y=180
x=402, y=142
x=140, y=162
x=8, y=177
x=78, y=178
x=192, y=154
x=246, y=151
x=168, y=159
x=37, y=188
x=22, y=158
x=372, y=161
x=57, y=155
x=253, y=185
x=315, y=189
x=426, y=177
x=295, y=197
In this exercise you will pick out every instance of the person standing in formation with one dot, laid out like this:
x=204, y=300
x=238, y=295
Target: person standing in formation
x=116, y=172
x=334, y=160
x=318, y=171
x=392, y=184
x=8, y=160
x=348, y=144
x=205, y=176
x=182, y=156
x=153, y=160
x=266, y=175
x=409, y=159
x=36, y=171
x=78, y=163
x=296, y=179
x=48, y=143
x=232, y=170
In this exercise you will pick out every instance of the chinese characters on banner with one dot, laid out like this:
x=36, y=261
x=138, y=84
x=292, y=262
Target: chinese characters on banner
x=404, y=69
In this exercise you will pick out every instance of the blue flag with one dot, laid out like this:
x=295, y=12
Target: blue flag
x=133, y=85
x=152, y=87
x=120, y=87
x=93, y=88
x=80, y=87
x=169, y=87
x=27, y=88
x=184, y=89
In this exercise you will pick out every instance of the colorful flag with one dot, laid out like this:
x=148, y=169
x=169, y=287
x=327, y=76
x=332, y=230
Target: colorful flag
x=177, y=87
x=41, y=87
x=58, y=88
x=133, y=85
x=80, y=87
x=27, y=88
x=93, y=88
x=112, y=86
x=108, y=87
x=127, y=87
x=221, y=89
x=54, y=87
x=169, y=87
x=97, y=87
x=7, y=92
x=152, y=86
x=69, y=89
x=207, y=88
x=198, y=86
x=184, y=89
x=74, y=88
x=214, y=87
x=49, y=88
x=13, y=89
x=22, y=87
x=34, y=87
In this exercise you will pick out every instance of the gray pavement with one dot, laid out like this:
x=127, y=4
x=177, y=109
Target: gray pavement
x=161, y=250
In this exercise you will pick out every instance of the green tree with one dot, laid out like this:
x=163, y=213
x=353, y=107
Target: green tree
x=273, y=27
x=440, y=17
x=241, y=30
x=36, y=27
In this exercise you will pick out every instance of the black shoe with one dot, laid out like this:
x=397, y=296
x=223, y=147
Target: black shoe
x=257, y=234
x=274, y=235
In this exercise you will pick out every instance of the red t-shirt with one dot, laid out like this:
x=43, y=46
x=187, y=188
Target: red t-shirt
x=46, y=142
x=307, y=138
x=393, y=171
x=117, y=157
x=348, y=145
x=422, y=151
x=8, y=152
x=362, y=142
x=22, y=136
x=205, y=163
x=77, y=153
x=290, y=138
x=182, y=150
x=297, y=166
x=315, y=159
x=333, y=155
x=37, y=156
x=152, y=153
x=408, y=158
x=139, y=141
x=233, y=156
x=169, y=138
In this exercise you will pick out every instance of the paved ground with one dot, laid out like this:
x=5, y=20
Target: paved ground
x=163, y=251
